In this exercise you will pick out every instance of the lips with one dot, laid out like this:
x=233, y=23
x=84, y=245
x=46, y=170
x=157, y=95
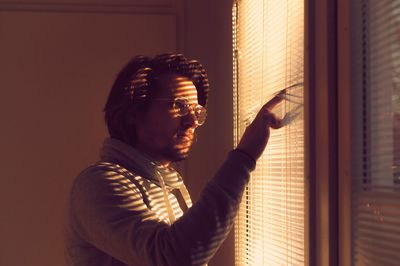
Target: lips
x=185, y=137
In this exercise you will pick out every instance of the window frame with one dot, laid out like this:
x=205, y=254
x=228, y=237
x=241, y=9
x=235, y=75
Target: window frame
x=344, y=131
x=322, y=131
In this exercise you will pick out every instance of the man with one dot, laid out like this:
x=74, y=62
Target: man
x=131, y=207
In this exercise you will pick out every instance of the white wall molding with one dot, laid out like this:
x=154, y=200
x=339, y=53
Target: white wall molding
x=148, y=3
x=154, y=7
x=119, y=6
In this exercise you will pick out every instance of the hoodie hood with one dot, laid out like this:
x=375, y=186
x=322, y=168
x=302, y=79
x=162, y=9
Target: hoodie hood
x=116, y=151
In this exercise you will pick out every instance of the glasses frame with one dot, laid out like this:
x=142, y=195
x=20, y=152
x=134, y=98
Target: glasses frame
x=188, y=108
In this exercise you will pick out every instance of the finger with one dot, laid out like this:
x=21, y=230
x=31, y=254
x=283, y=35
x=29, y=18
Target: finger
x=275, y=122
x=278, y=123
x=275, y=100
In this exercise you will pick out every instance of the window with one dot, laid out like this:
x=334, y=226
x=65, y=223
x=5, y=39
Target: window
x=376, y=142
x=269, y=56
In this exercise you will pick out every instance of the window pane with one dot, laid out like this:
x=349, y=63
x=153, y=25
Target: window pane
x=376, y=190
x=268, y=56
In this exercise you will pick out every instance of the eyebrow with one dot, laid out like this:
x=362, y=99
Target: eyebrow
x=186, y=94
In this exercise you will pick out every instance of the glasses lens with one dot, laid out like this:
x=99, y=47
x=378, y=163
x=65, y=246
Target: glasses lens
x=181, y=106
x=201, y=114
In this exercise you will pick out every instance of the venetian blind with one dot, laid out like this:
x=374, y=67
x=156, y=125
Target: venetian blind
x=376, y=181
x=268, y=56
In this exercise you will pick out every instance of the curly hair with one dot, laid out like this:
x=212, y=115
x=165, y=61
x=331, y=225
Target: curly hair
x=137, y=82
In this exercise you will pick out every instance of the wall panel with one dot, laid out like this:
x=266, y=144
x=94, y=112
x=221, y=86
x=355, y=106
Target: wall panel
x=56, y=69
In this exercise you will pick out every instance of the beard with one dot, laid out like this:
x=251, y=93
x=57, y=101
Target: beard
x=179, y=148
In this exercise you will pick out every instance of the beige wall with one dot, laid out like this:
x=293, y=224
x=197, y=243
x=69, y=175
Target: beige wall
x=57, y=62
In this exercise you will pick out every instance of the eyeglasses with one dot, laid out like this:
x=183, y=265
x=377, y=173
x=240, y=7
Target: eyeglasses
x=182, y=107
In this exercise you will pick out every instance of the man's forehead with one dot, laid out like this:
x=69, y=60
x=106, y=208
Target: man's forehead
x=182, y=87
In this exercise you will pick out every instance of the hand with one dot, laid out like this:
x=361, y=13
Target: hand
x=256, y=135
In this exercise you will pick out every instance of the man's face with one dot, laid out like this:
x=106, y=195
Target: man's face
x=162, y=133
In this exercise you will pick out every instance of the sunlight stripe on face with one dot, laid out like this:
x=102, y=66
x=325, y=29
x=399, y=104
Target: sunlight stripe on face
x=187, y=90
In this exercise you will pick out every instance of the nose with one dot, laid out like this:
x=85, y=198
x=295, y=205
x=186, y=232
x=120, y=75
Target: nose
x=190, y=120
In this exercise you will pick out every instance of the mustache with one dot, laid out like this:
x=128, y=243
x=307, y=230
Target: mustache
x=186, y=134
x=186, y=138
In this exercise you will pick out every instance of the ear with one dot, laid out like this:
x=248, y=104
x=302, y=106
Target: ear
x=134, y=116
x=131, y=117
x=130, y=127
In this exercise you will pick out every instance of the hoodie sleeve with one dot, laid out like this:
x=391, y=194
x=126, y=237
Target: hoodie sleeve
x=112, y=215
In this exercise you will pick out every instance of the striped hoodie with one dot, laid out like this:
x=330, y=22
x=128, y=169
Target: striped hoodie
x=127, y=210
